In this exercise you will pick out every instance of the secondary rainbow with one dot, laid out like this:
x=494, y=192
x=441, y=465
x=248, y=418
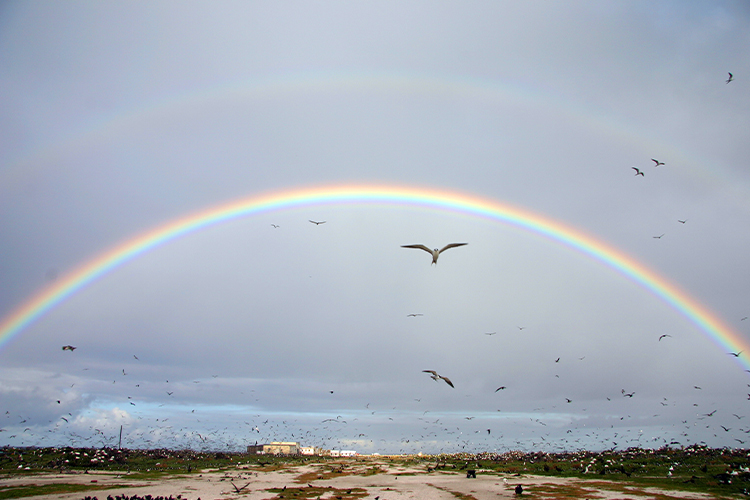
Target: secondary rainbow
x=436, y=199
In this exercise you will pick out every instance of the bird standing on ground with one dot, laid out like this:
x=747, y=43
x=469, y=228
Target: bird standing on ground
x=435, y=252
x=435, y=376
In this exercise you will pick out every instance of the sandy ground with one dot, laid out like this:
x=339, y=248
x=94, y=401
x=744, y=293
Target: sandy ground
x=392, y=483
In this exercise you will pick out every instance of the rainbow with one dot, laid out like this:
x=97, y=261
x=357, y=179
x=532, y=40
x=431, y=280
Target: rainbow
x=434, y=199
x=490, y=92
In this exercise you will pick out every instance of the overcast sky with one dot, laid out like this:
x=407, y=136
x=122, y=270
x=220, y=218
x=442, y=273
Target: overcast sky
x=119, y=118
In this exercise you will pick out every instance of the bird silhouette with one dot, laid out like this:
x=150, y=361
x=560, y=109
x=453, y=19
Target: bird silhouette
x=435, y=252
x=239, y=490
x=69, y=348
x=435, y=376
x=318, y=223
x=664, y=335
x=414, y=315
x=731, y=77
x=682, y=221
x=638, y=172
x=657, y=162
x=735, y=354
x=500, y=388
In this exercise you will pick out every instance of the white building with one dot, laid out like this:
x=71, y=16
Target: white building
x=347, y=453
x=310, y=450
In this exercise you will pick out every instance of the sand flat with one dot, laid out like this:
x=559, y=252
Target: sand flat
x=392, y=483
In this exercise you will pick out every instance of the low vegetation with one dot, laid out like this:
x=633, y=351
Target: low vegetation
x=693, y=469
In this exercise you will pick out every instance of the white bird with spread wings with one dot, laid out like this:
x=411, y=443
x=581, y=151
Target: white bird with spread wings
x=435, y=252
x=436, y=377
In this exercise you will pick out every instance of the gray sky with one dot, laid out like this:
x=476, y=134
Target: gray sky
x=121, y=118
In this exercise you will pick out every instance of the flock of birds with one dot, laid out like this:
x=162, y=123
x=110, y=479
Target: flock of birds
x=285, y=431
x=209, y=439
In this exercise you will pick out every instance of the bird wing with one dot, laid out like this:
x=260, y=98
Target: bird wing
x=421, y=247
x=431, y=371
x=451, y=245
x=447, y=380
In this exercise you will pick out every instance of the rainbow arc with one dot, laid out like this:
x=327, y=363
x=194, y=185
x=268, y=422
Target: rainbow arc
x=441, y=200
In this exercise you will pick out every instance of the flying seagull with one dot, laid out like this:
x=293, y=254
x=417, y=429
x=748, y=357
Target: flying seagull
x=638, y=172
x=664, y=335
x=657, y=162
x=69, y=348
x=681, y=221
x=731, y=77
x=437, y=377
x=317, y=223
x=435, y=253
x=414, y=315
x=735, y=354
x=500, y=388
